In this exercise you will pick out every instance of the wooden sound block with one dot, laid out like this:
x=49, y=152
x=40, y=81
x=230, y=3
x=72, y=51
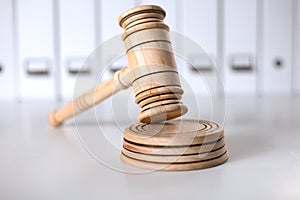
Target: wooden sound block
x=175, y=166
x=174, y=133
x=175, y=158
x=174, y=150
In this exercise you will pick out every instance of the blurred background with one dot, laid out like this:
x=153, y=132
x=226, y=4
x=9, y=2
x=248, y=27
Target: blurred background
x=254, y=44
x=251, y=50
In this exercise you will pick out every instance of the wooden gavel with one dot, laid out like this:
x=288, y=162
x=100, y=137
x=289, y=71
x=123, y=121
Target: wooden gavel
x=151, y=70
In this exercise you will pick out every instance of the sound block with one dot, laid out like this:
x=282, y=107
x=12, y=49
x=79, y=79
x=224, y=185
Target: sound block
x=174, y=145
x=174, y=150
x=175, y=166
x=174, y=133
x=175, y=158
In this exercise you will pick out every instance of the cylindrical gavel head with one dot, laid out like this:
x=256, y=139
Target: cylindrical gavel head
x=150, y=57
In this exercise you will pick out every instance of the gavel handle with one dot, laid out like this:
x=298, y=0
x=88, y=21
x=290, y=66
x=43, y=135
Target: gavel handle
x=90, y=98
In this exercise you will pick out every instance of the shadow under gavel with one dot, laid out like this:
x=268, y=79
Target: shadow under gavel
x=151, y=71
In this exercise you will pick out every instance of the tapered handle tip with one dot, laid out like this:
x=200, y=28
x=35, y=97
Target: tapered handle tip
x=53, y=121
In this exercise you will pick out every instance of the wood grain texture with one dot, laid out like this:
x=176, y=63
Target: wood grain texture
x=157, y=98
x=147, y=94
x=174, y=150
x=139, y=10
x=149, y=52
x=174, y=145
x=175, y=158
x=140, y=18
x=89, y=99
x=162, y=113
x=175, y=166
x=152, y=68
x=174, y=133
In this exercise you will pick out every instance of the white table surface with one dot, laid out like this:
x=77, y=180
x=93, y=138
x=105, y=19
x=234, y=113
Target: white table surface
x=39, y=162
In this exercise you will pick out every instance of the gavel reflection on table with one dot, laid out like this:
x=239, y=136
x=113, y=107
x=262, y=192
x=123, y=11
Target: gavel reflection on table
x=153, y=74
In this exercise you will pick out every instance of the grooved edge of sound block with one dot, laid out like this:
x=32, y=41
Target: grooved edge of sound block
x=175, y=158
x=173, y=150
x=177, y=166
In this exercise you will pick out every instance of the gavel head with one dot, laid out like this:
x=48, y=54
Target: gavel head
x=151, y=60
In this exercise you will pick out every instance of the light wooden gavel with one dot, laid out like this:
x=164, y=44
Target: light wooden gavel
x=151, y=70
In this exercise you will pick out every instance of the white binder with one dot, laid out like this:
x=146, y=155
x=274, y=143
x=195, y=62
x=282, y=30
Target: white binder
x=110, y=30
x=275, y=47
x=120, y=107
x=77, y=41
x=200, y=25
x=296, y=53
x=35, y=36
x=110, y=12
x=240, y=36
x=7, y=72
